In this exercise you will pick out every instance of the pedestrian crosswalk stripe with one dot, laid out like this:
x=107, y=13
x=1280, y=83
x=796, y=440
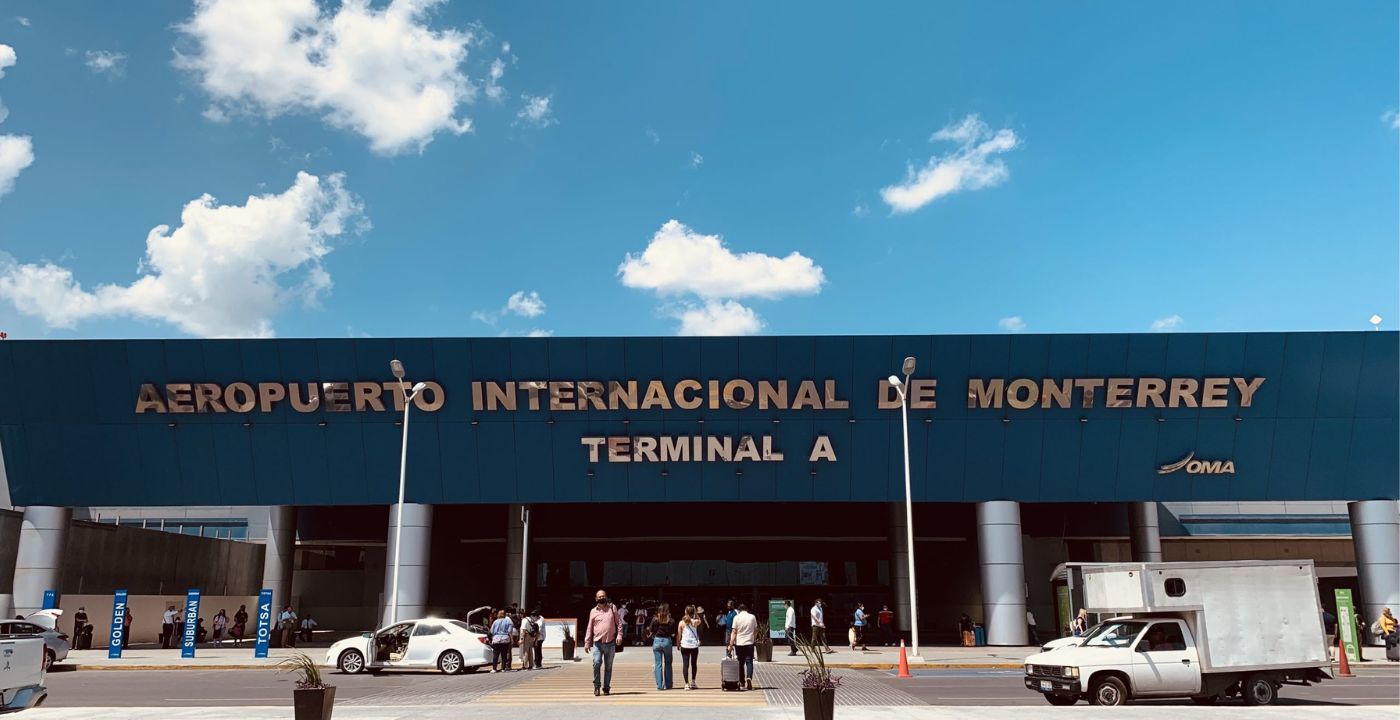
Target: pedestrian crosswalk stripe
x=632, y=684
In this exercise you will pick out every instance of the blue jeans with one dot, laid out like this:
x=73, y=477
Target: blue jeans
x=603, y=658
x=745, y=653
x=661, y=660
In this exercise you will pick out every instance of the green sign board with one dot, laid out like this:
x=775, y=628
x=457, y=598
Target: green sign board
x=777, y=617
x=1346, y=626
x=1063, y=609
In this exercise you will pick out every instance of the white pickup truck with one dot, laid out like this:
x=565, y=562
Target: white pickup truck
x=1206, y=631
x=22, y=666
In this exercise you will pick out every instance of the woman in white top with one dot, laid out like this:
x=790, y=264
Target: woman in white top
x=689, y=633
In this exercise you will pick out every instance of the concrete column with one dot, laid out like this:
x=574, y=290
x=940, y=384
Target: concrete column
x=39, y=564
x=1375, y=532
x=413, y=562
x=899, y=566
x=1003, y=575
x=517, y=553
x=1144, y=535
x=280, y=555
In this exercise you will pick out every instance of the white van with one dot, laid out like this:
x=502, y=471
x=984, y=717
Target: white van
x=1201, y=630
x=22, y=666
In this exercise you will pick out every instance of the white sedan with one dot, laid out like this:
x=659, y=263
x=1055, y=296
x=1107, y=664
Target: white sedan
x=451, y=646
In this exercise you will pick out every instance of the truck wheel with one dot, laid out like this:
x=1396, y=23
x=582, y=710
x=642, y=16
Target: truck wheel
x=1061, y=700
x=1109, y=691
x=351, y=662
x=1259, y=690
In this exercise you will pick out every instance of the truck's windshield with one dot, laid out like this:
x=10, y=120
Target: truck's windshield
x=1116, y=634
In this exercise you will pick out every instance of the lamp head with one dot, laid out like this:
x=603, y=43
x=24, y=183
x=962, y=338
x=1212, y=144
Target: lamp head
x=1376, y=320
x=909, y=365
x=396, y=368
x=418, y=387
x=895, y=381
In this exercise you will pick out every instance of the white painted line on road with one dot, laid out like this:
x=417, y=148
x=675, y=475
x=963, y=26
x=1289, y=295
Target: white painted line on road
x=233, y=700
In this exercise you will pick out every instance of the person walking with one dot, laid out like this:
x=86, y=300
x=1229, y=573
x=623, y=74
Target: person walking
x=622, y=612
x=743, y=634
x=220, y=627
x=1030, y=628
x=860, y=620
x=819, y=626
x=167, y=627
x=726, y=622
x=308, y=627
x=240, y=625
x=689, y=634
x=885, y=618
x=287, y=621
x=1329, y=627
x=965, y=630
x=790, y=627
x=662, y=632
x=501, y=631
x=640, y=617
x=537, y=646
x=600, y=641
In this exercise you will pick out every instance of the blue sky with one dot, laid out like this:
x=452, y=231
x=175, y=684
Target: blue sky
x=1101, y=167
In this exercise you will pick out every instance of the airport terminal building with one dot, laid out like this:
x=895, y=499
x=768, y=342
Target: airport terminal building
x=686, y=469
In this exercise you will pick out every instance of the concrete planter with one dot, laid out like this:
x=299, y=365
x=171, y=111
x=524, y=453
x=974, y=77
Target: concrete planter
x=313, y=704
x=818, y=704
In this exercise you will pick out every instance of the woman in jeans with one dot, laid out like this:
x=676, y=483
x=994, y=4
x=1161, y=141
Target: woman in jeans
x=663, y=632
x=689, y=635
x=501, y=630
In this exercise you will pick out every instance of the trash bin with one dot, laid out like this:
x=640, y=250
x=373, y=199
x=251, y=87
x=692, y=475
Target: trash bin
x=979, y=635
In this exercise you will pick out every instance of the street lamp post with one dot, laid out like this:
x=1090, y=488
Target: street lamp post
x=902, y=386
x=396, y=368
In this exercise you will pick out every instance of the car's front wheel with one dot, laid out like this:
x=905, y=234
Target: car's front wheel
x=450, y=662
x=351, y=662
x=1109, y=691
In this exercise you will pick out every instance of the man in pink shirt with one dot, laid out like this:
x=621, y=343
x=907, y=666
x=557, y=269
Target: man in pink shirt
x=600, y=640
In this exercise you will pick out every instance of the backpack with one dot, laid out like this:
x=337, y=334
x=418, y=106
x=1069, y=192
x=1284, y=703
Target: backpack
x=531, y=628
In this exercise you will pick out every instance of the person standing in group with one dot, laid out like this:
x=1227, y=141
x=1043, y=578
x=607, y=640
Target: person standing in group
x=819, y=627
x=790, y=627
x=287, y=621
x=726, y=622
x=80, y=621
x=886, y=620
x=127, y=619
x=600, y=641
x=308, y=627
x=623, y=611
x=689, y=636
x=501, y=631
x=167, y=627
x=965, y=630
x=742, y=636
x=528, y=631
x=220, y=627
x=1080, y=624
x=240, y=625
x=1030, y=627
x=537, y=646
x=859, y=621
x=662, y=632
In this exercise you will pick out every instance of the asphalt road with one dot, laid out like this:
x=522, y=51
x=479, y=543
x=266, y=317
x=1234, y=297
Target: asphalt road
x=1374, y=685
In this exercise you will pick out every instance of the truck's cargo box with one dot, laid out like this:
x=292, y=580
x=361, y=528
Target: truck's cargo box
x=1245, y=615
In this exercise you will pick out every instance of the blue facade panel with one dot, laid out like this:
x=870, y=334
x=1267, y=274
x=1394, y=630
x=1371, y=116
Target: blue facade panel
x=1322, y=426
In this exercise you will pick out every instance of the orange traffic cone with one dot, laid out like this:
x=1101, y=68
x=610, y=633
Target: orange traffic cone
x=1343, y=667
x=903, y=662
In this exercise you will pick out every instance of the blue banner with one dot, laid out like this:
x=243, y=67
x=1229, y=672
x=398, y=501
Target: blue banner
x=50, y=599
x=264, y=623
x=118, y=635
x=187, y=638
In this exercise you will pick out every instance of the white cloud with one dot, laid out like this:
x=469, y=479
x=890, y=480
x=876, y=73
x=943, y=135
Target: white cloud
x=105, y=61
x=536, y=111
x=538, y=333
x=1012, y=324
x=860, y=210
x=653, y=136
x=696, y=159
x=216, y=114
x=718, y=317
x=22, y=20
x=972, y=166
x=679, y=261
x=16, y=151
x=380, y=72
x=525, y=304
x=224, y=272
x=1391, y=118
x=1167, y=324
x=494, y=90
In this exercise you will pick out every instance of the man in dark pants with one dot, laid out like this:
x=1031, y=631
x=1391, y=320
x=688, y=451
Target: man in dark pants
x=167, y=627
x=790, y=627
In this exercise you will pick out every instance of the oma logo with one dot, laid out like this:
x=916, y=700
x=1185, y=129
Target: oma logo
x=1198, y=467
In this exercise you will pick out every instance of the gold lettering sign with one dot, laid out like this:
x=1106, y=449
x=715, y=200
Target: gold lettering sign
x=304, y=397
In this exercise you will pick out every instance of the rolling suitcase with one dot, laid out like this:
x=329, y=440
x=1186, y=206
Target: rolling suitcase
x=729, y=674
x=1392, y=648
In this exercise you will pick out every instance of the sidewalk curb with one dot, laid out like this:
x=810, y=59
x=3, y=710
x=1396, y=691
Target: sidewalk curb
x=119, y=668
x=841, y=666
